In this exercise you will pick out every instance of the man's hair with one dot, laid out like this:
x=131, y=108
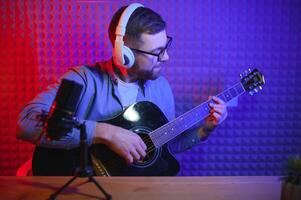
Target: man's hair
x=142, y=20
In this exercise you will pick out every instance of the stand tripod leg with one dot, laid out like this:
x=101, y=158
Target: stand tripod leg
x=83, y=171
x=54, y=195
x=108, y=196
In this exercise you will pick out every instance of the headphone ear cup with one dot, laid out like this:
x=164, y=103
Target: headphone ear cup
x=128, y=57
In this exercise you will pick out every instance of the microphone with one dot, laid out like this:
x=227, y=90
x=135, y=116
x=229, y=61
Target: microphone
x=61, y=118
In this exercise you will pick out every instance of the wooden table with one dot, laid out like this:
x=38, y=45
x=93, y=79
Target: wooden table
x=144, y=188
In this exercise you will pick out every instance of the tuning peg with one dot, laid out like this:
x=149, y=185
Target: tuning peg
x=246, y=72
x=240, y=75
x=255, y=90
x=251, y=92
x=249, y=69
x=260, y=87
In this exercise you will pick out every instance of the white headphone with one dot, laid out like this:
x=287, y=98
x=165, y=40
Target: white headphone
x=123, y=55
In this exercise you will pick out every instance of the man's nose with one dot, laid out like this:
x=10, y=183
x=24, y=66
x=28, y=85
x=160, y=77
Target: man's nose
x=165, y=57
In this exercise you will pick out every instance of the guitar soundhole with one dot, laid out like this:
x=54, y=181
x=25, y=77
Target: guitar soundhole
x=152, y=152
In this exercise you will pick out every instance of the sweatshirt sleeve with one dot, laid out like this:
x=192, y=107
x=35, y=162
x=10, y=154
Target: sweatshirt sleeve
x=185, y=141
x=30, y=127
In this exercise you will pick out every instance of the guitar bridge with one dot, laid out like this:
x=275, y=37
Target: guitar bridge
x=98, y=167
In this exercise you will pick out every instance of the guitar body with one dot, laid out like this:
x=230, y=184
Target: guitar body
x=142, y=118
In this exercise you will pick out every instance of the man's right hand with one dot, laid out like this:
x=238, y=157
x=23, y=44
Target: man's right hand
x=125, y=143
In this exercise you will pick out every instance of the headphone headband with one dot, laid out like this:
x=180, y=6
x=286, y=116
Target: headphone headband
x=121, y=27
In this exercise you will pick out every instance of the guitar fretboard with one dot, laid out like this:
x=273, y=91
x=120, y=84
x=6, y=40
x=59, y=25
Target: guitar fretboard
x=174, y=128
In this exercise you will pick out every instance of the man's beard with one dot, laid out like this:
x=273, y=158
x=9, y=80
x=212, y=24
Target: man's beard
x=152, y=74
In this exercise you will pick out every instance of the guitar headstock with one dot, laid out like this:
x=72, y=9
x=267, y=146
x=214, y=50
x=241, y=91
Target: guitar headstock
x=252, y=80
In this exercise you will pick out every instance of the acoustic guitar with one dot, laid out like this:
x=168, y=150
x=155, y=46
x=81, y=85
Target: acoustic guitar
x=148, y=121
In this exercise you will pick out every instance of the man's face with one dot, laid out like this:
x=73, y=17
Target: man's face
x=147, y=67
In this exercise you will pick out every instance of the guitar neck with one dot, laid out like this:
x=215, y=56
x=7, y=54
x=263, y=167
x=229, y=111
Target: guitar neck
x=177, y=126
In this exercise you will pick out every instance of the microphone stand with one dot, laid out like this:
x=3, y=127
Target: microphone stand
x=84, y=170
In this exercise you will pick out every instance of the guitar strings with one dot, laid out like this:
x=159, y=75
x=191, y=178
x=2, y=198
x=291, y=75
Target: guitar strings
x=114, y=164
x=150, y=148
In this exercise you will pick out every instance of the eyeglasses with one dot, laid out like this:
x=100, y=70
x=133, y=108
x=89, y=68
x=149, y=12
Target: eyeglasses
x=161, y=54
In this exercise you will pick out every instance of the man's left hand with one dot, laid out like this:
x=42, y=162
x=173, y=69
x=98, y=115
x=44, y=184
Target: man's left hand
x=218, y=113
